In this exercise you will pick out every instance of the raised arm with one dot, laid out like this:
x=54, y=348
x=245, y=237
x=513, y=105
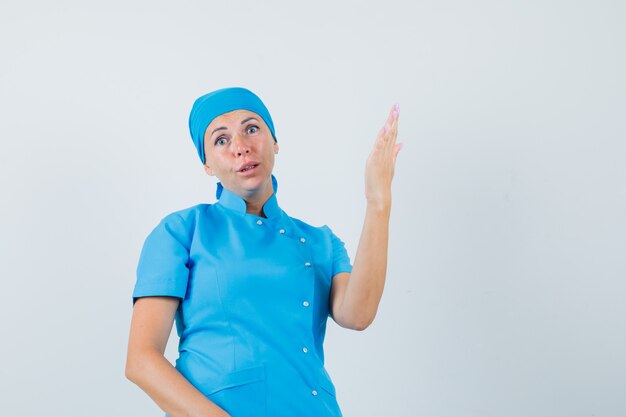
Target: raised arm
x=355, y=296
x=147, y=367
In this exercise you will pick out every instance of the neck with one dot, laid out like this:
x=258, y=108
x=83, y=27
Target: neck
x=255, y=202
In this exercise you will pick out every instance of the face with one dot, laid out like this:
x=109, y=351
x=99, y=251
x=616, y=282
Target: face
x=231, y=141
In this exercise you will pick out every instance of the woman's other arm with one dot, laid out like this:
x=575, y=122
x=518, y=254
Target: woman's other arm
x=355, y=296
x=147, y=367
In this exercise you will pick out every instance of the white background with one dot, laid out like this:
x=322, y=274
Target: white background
x=506, y=277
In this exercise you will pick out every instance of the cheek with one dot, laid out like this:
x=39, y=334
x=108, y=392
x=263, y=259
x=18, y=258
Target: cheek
x=215, y=161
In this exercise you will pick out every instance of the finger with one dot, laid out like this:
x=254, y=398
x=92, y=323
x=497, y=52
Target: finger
x=388, y=128
x=392, y=133
x=381, y=135
x=390, y=117
x=397, y=151
x=379, y=143
x=393, y=115
x=394, y=128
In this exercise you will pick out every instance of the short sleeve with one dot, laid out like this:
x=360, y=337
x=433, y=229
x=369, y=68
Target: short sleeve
x=341, y=259
x=163, y=263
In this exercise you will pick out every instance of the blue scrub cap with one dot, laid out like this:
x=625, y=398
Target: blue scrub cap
x=209, y=106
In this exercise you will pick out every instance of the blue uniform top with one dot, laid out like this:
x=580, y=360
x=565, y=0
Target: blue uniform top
x=255, y=300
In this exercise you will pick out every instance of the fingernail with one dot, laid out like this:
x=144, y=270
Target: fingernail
x=398, y=107
x=394, y=114
x=386, y=129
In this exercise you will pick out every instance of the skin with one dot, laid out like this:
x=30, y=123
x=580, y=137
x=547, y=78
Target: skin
x=354, y=297
x=225, y=150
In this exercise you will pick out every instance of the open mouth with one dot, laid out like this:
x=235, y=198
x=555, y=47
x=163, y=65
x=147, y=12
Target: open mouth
x=248, y=168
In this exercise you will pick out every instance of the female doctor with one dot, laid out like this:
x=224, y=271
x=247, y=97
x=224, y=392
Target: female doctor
x=250, y=287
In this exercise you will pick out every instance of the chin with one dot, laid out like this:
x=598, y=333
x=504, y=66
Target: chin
x=256, y=182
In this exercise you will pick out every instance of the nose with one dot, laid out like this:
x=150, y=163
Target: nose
x=239, y=145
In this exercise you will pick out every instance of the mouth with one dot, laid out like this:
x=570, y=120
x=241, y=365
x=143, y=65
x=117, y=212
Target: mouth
x=249, y=167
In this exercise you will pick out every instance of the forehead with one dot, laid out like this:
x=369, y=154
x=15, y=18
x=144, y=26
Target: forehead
x=232, y=117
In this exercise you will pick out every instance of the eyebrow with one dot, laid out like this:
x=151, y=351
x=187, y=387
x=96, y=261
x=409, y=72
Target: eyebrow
x=242, y=122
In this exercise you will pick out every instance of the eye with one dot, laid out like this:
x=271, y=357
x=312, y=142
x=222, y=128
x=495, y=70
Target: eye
x=221, y=138
x=253, y=126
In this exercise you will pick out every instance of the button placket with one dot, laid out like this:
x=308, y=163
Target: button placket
x=308, y=265
x=309, y=286
x=307, y=251
x=309, y=292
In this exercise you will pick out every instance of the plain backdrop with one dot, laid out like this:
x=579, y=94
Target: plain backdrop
x=507, y=256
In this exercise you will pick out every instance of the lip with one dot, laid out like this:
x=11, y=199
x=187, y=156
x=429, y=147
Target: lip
x=245, y=164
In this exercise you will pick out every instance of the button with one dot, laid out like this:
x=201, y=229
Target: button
x=282, y=231
x=259, y=222
x=314, y=392
x=306, y=303
x=302, y=240
x=307, y=264
x=305, y=350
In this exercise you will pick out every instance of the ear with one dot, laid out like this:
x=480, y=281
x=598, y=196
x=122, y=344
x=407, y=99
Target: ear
x=208, y=170
x=275, y=147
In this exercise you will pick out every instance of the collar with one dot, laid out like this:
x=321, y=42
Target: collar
x=232, y=201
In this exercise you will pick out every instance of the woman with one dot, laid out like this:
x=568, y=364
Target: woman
x=249, y=287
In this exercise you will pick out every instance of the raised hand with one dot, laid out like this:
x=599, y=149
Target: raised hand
x=381, y=162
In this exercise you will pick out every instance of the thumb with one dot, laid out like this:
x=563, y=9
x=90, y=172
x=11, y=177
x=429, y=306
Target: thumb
x=396, y=151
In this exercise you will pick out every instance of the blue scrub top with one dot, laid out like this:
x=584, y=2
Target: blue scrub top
x=255, y=300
